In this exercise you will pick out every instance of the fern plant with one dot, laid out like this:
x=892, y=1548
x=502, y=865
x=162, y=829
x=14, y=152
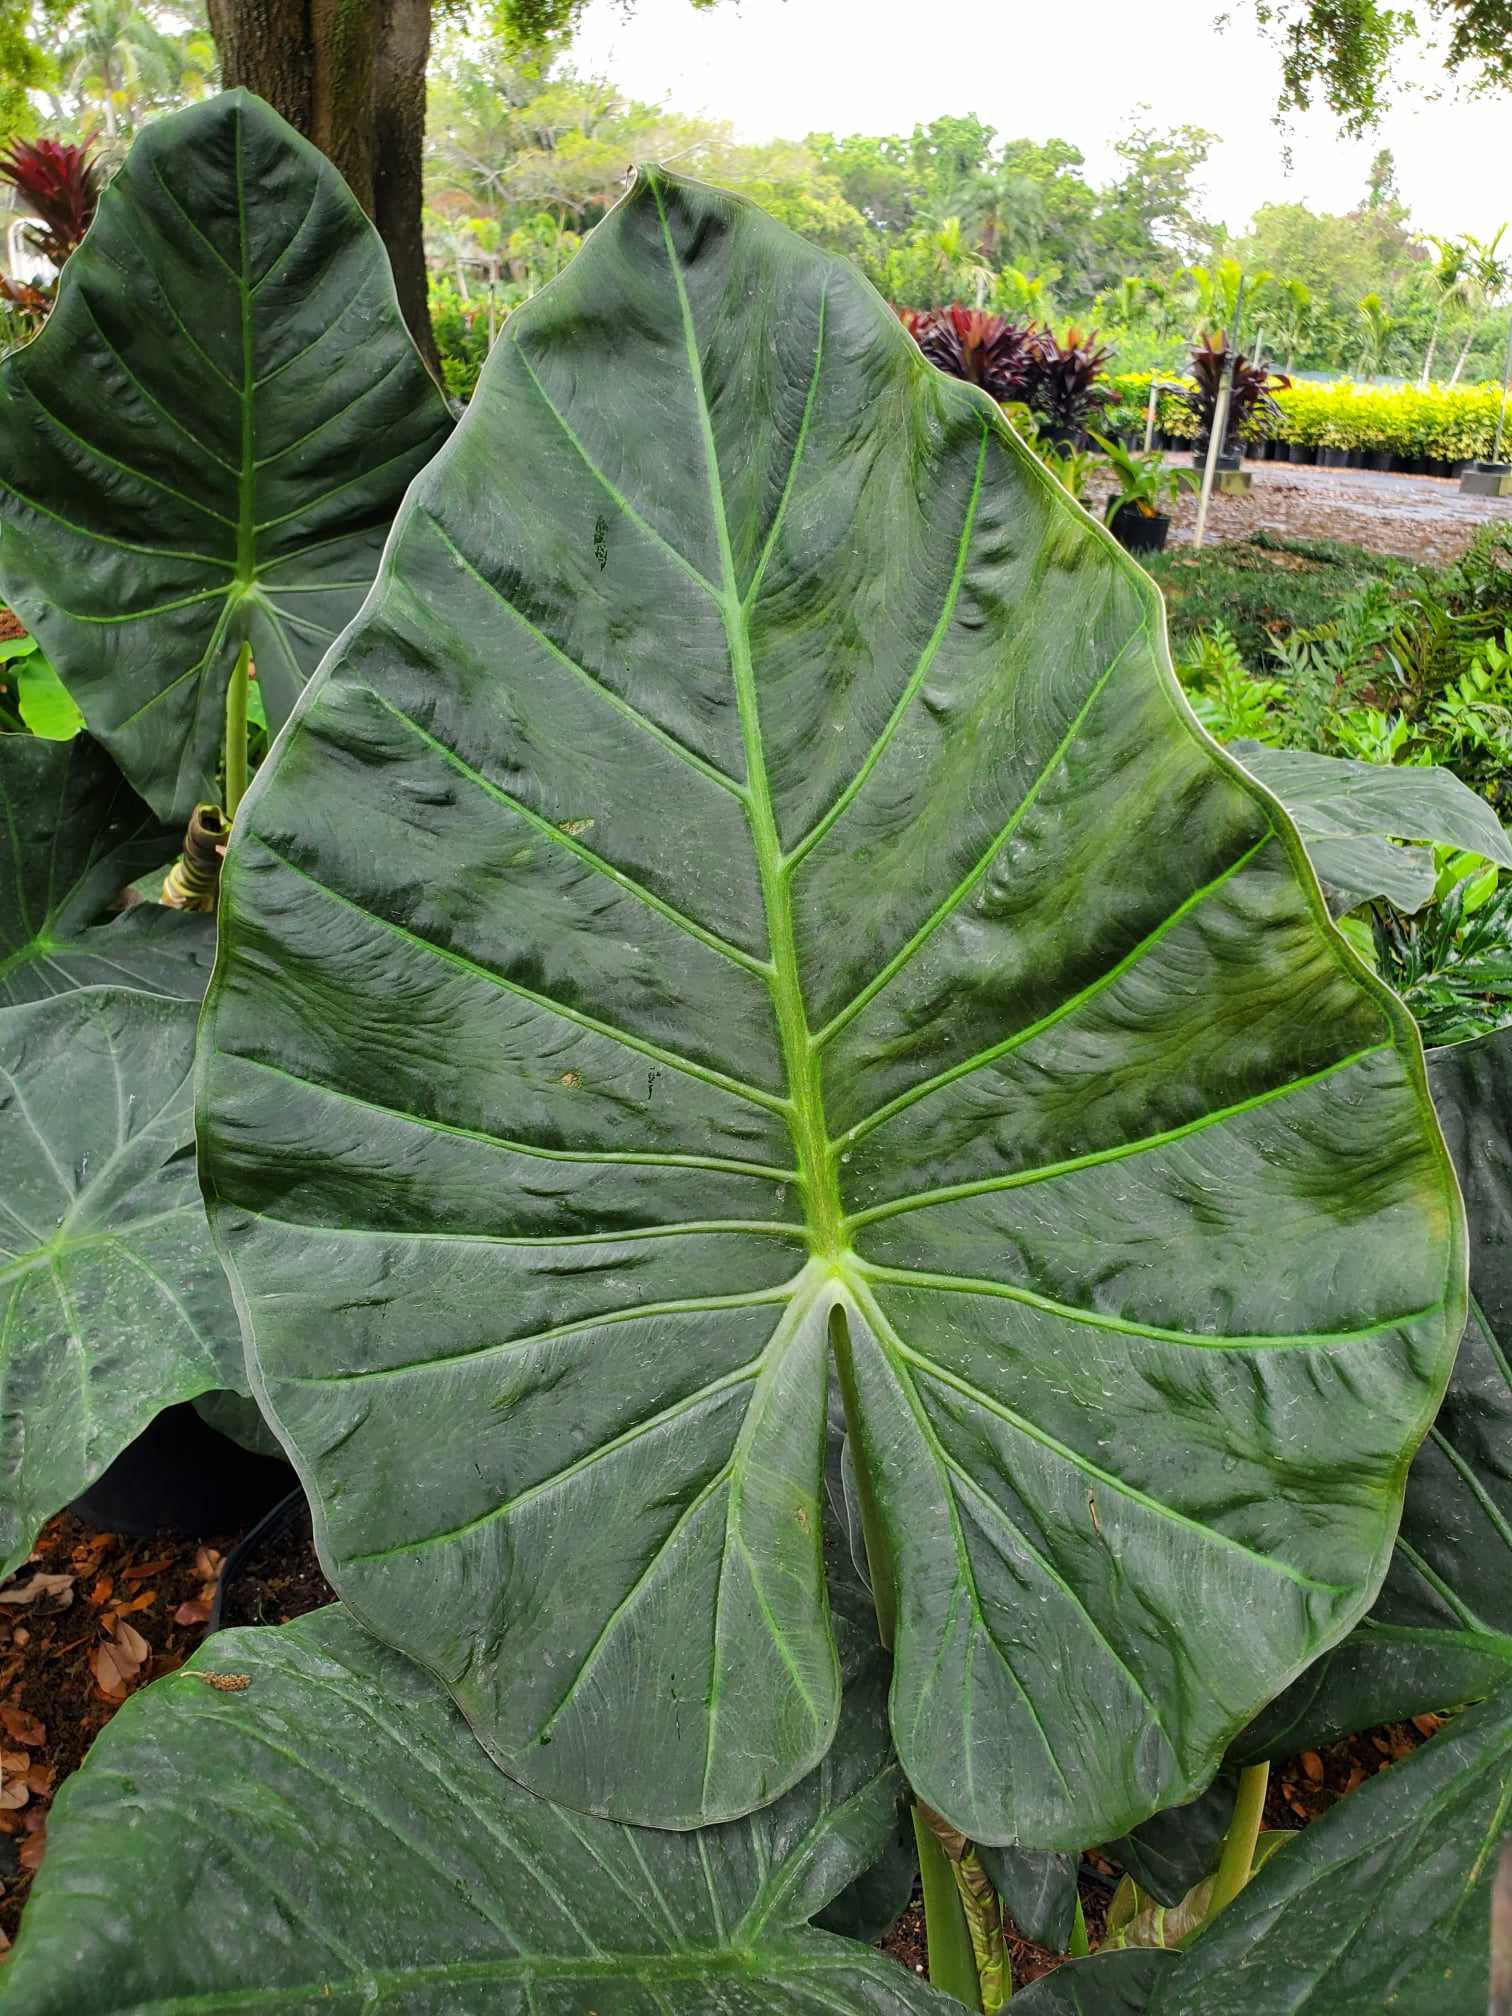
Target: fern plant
x=1227, y=698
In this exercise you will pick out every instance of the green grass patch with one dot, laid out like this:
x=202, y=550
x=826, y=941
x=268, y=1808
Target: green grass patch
x=1265, y=586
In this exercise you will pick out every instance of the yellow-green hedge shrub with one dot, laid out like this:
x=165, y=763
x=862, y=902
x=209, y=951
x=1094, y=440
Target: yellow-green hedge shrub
x=1446, y=423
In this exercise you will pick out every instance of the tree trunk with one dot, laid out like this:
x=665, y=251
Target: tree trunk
x=399, y=131
x=350, y=75
x=1432, y=346
x=1460, y=361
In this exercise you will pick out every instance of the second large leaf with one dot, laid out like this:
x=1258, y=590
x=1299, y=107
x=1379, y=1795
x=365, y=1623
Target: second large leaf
x=749, y=888
x=206, y=444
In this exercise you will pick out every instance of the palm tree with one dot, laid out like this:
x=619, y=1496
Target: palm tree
x=122, y=61
x=1287, y=315
x=1445, y=282
x=1485, y=282
x=1378, y=327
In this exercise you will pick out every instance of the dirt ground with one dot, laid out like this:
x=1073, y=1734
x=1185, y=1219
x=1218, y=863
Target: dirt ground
x=1423, y=518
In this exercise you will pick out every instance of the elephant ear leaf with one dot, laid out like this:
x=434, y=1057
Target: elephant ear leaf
x=768, y=899
x=112, y=1303
x=1441, y=1629
x=1351, y=815
x=206, y=444
x=73, y=834
x=379, y=1860
x=1384, y=1903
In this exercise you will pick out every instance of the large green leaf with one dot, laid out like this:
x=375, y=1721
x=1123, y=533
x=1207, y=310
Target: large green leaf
x=206, y=443
x=1112, y=1984
x=112, y=1303
x=1441, y=1629
x=749, y=880
x=331, y=1839
x=1382, y=1905
x=1350, y=816
x=73, y=834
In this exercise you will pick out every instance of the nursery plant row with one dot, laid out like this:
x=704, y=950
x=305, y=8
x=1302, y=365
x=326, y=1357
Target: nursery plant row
x=861, y=1282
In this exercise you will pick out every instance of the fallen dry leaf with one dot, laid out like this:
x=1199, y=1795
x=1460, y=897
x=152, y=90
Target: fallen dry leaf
x=40, y=1585
x=207, y=1564
x=13, y=1794
x=130, y=1642
x=147, y=1569
x=197, y=1612
x=109, y=1677
x=21, y=1727
x=1312, y=1764
x=101, y=1592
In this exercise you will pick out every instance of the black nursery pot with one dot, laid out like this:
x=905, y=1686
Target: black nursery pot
x=1136, y=533
x=182, y=1477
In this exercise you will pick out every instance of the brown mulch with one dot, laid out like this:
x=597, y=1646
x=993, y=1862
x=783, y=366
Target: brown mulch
x=89, y=1619
x=10, y=626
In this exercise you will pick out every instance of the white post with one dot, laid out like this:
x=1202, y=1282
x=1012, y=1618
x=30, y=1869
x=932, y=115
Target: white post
x=1150, y=411
x=1215, y=442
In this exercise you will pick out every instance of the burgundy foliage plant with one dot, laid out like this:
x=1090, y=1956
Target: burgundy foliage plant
x=60, y=184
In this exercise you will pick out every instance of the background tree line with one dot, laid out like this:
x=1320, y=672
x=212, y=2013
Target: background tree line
x=485, y=156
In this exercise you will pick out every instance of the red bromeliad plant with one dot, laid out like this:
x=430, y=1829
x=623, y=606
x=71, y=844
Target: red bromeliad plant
x=1251, y=405
x=1057, y=379
x=970, y=343
x=61, y=184
x=1064, y=384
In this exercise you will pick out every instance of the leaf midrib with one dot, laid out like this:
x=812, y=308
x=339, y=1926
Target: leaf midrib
x=805, y=1104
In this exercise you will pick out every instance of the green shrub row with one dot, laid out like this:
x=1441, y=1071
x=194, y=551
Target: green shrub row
x=1444, y=423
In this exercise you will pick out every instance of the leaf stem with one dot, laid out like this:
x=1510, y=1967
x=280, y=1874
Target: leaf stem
x=236, y=731
x=1236, y=1862
x=952, y=1962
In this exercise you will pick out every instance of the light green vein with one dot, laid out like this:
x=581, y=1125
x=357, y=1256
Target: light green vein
x=1098, y=1157
x=920, y=672
x=1062, y=1010
x=722, y=1082
x=965, y=1284
x=481, y=1135
x=714, y=1393
x=559, y=838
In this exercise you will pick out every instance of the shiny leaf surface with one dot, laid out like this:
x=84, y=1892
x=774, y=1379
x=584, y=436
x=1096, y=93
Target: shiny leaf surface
x=354, y=1850
x=749, y=884
x=112, y=1303
x=1112, y=1984
x=72, y=835
x=1441, y=1631
x=1382, y=1905
x=207, y=442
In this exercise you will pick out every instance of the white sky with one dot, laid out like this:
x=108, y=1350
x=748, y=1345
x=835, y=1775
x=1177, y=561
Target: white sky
x=1073, y=70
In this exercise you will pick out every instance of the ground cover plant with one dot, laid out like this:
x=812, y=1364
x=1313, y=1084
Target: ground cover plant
x=827, y=1220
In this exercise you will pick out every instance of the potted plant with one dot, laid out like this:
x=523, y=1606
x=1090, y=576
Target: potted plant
x=1064, y=385
x=1133, y=513
x=1251, y=403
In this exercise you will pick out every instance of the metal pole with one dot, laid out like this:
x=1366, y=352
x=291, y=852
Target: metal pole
x=1215, y=440
x=1501, y=418
x=1150, y=415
